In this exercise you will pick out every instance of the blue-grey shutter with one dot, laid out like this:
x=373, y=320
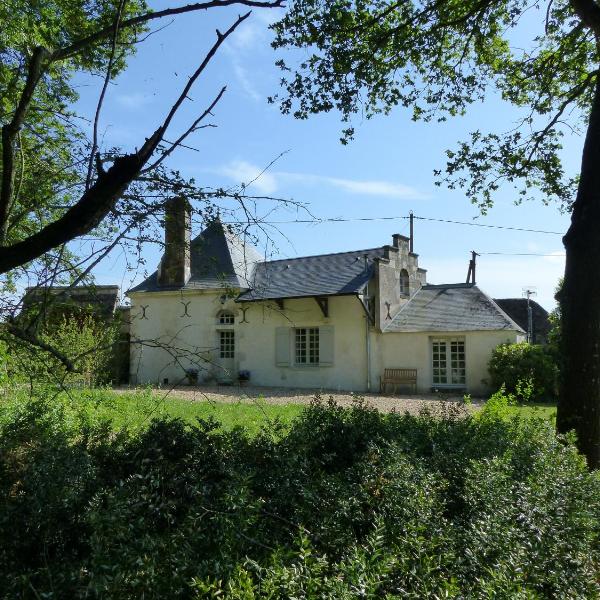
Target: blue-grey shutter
x=326, y=345
x=282, y=346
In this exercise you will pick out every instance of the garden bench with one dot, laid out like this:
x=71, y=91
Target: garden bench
x=398, y=377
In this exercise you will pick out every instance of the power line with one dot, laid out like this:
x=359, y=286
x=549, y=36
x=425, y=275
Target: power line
x=488, y=226
x=397, y=218
x=519, y=254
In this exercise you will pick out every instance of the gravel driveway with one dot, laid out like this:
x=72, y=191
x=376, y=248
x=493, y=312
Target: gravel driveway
x=412, y=403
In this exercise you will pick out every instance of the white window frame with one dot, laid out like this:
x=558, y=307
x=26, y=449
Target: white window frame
x=225, y=317
x=306, y=346
x=227, y=349
x=449, y=368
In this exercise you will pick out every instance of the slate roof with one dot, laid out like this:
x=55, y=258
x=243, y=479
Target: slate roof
x=218, y=259
x=516, y=309
x=451, y=307
x=339, y=274
x=101, y=298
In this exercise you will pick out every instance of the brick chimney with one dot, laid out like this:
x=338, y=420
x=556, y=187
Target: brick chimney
x=174, y=268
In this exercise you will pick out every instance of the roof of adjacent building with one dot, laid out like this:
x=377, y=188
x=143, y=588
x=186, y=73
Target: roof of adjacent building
x=343, y=273
x=218, y=259
x=101, y=298
x=451, y=307
x=516, y=308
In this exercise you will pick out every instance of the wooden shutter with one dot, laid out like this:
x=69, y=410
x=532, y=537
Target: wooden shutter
x=326, y=345
x=282, y=346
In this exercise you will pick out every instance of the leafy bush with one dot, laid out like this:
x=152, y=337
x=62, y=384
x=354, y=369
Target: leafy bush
x=89, y=342
x=349, y=503
x=528, y=371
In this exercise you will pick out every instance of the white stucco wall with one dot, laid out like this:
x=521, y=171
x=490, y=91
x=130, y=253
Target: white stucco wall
x=192, y=338
x=413, y=351
x=193, y=342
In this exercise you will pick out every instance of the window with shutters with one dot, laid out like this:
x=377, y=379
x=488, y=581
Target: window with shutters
x=448, y=361
x=307, y=346
x=304, y=346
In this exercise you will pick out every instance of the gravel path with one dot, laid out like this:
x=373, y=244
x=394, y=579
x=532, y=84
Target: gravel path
x=412, y=403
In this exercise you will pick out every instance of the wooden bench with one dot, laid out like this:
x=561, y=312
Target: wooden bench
x=398, y=377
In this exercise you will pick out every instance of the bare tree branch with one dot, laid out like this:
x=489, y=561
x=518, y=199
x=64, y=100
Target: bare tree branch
x=100, y=198
x=77, y=46
x=9, y=134
x=107, y=78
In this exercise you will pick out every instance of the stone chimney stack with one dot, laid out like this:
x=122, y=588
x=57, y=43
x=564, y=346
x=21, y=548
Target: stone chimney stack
x=174, y=268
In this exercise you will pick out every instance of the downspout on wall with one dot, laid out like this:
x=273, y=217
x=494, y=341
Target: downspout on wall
x=367, y=329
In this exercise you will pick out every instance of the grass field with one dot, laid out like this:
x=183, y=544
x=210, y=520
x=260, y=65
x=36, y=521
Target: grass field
x=135, y=410
x=545, y=411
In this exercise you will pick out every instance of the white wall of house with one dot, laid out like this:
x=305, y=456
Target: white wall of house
x=414, y=351
x=346, y=363
x=167, y=341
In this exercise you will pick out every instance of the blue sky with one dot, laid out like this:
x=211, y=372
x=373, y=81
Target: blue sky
x=386, y=171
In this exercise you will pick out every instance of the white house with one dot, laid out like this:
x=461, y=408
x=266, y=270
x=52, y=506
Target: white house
x=332, y=321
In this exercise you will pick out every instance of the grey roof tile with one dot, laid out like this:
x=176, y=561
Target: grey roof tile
x=343, y=273
x=218, y=259
x=451, y=307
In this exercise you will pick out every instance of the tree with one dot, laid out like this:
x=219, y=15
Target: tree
x=436, y=57
x=56, y=182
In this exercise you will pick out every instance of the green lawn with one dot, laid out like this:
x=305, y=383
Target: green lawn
x=546, y=411
x=136, y=410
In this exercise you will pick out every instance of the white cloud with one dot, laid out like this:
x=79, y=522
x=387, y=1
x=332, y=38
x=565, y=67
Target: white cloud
x=269, y=182
x=245, y=82
x=132, y=101
x=359, y=186
x=244, y=172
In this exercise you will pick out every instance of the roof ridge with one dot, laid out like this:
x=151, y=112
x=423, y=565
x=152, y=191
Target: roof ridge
x=319, y=255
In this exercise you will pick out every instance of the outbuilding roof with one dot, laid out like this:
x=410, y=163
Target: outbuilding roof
x=516, y=308
x=451, y=307
x=343, y=273
x=218, y=259
x=102, y=299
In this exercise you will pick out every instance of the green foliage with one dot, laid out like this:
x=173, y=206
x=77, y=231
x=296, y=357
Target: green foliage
x=528, y=371
x=84, y=338
x=435, y=59
x=349, y=503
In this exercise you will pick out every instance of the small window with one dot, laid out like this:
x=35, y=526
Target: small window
x=404, y=283
x=226, y=344
x=226, y=318
x=307, y=346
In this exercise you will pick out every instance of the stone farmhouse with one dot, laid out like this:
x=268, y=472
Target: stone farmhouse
x=216, y=310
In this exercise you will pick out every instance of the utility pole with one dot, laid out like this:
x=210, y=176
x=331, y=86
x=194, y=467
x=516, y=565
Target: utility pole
x=528, y=293
x=472, y=267
x=411, y=245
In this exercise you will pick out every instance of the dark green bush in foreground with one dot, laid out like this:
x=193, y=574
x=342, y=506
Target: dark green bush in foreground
x=348, y=504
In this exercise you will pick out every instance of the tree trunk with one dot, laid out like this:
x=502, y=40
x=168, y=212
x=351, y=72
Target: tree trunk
x=579, y=401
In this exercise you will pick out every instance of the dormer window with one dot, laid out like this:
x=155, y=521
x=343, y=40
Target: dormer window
x=226, y=318
x=404, y=283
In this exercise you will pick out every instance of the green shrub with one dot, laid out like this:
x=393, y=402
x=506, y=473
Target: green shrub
x=528, y=371
x=349, y=504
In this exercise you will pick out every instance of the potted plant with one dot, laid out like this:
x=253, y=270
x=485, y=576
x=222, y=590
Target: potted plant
x=192, y=376
x=243, y=377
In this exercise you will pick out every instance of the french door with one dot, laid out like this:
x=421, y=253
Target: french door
x=448, y=361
